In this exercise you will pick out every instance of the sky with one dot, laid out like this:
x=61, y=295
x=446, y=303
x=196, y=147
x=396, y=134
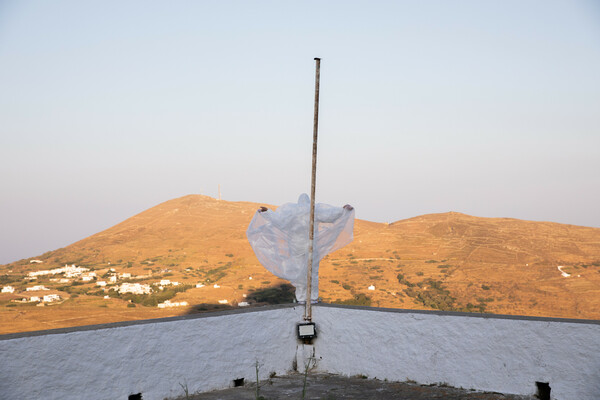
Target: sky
x=108, y=108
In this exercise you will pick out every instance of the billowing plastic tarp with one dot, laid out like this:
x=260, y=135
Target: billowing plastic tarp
x=280, y=240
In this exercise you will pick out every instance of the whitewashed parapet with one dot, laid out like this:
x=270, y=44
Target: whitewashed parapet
x=506, y=354
x=113, y=361
x=208, y=351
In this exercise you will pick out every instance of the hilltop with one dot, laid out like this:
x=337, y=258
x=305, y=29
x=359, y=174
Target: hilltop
x=447, y=261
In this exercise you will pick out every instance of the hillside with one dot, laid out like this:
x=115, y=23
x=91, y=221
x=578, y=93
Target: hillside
x=448, y=261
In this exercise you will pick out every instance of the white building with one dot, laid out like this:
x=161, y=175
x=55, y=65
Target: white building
x=101, y=283
x=8, y=289
x=135, y=288
x=36, y=288
x=50, y=298
x=69, y=271
x=222, y=301
x=168, y=304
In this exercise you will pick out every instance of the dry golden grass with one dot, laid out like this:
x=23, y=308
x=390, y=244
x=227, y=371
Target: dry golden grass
x=451, y=260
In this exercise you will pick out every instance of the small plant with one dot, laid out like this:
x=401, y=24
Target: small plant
x=184, y=386
x=308, y=366
x=485, y=287
x=257, y=395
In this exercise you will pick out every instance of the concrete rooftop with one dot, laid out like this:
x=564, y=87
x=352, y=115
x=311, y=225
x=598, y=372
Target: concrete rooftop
x=335, y=387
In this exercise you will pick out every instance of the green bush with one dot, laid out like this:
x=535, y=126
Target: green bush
x=359, y=299
x=281, y=294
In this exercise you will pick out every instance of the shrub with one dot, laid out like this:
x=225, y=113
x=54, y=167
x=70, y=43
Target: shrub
x=485, y=287
x=275, y=295
x=359, y=299
x=402, y=280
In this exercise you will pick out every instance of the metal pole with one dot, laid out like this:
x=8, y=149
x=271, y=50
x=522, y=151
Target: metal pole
x=311, y=231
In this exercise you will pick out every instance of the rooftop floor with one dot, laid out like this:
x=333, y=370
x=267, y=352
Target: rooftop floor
x=335, y=387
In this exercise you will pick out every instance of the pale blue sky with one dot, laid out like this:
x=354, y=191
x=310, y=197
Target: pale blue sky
x=107, y=108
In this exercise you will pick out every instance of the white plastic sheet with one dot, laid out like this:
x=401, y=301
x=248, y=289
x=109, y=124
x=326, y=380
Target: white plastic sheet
x=280, y=240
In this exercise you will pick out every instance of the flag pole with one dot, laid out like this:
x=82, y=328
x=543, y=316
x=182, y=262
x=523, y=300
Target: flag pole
x=311, y=232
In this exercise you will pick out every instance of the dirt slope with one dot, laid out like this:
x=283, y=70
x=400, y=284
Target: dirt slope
x=448, y=261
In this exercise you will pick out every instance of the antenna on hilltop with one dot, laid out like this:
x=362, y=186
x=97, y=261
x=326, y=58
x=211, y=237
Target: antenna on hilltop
x=219, y=191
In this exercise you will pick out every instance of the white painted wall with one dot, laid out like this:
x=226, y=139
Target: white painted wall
x=494, y=354
x=208, y=351
x=151, y=358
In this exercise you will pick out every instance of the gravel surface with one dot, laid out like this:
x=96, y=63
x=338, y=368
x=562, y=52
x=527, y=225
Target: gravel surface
x=335, y=387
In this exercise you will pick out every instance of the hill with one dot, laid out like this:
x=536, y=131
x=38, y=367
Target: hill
x=447, y=261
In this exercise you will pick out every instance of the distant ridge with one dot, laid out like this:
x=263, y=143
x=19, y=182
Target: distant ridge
x=446, y=260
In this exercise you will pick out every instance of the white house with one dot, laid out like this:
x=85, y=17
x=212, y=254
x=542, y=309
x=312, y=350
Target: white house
x=168, y=303
x=36, y=288
x=8, y=289
x=50, y=298
x=101, y=283
x=135, y=288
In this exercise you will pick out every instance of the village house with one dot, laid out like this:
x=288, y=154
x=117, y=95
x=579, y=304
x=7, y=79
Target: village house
x=8, y=289
x=36, y=288
x=69, y=271
x=135, y=288
x=51, y=297
x=168, y=303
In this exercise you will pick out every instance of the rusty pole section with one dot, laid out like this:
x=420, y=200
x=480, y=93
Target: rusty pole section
x=311, y=231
